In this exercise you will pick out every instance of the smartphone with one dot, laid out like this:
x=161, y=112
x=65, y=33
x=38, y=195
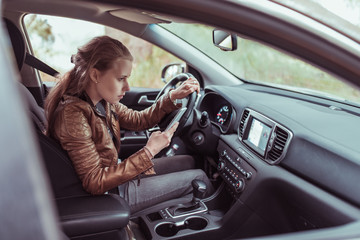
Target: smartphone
x=177, y=117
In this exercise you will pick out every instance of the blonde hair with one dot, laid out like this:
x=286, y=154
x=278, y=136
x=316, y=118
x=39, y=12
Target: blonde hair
x=99, y=53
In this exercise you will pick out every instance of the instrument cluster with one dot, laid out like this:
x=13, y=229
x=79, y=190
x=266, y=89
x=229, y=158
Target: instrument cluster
x=220, y=111
x=223, y=115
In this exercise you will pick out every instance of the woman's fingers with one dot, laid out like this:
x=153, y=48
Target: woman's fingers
x=173, y=129
x=192, y=84
x=159, y=140
x=186, y=88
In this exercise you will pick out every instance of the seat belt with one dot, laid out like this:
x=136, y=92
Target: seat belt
x=39, y=65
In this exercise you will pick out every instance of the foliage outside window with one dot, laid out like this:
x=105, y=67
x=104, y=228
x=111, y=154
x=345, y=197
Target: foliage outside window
x=253, y=61
x=53, y=41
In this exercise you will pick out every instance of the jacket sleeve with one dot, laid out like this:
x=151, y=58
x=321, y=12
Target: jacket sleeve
x=75, y=135
x=147, y=118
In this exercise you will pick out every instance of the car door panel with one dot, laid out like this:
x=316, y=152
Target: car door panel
x=138, y=99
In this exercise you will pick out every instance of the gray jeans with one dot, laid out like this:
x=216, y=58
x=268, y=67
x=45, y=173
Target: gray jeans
x=172, y=180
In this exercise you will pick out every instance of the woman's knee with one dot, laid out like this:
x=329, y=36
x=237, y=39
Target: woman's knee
x=198, y=174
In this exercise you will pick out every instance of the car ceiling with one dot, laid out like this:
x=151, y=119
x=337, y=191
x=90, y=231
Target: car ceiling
x=104, y=12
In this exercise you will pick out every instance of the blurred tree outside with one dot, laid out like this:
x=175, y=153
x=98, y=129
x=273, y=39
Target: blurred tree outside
x=55, y=45
x=255, y=61
x=41, y=31
x=148, y=59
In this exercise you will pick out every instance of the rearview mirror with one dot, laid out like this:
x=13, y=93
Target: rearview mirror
x=172, y=70
x=224, y=40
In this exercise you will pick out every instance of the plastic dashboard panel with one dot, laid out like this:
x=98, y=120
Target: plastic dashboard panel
x=325, y=145
x=283, y=199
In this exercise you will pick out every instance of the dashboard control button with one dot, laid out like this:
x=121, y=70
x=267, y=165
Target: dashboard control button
x=221, y=166
x=198, y=138
x=248, y=175
x=240, y=184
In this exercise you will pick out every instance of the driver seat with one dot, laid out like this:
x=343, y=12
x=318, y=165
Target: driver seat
x=60, y=168
x=82, y=215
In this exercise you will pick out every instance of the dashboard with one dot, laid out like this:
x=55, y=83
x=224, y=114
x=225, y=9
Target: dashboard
x=263, y=127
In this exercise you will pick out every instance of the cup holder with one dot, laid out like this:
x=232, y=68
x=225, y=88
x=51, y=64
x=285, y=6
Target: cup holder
x=170, y=229
x=196, y=223
x=167, y=229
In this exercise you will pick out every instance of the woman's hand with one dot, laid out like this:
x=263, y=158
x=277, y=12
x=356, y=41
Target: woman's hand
x=186, y=88
x=159, y=140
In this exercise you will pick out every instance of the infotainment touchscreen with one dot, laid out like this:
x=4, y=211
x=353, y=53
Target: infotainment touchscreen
x=258, y=136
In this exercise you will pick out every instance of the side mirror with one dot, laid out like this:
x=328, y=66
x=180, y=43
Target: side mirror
x=224, y=40
x=172, y=70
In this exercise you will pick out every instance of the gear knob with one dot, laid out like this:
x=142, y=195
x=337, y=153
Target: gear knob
x=199, y=189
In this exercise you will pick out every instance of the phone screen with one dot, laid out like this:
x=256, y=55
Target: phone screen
x=176, y=118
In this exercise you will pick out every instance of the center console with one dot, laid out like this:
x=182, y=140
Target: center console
x=234, y=168
x=180, y=220
x=199, y=218
x=205, y=218
x=175, y=228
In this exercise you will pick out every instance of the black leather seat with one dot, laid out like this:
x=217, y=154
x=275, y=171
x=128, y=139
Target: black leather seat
x=82, y=215
x=64, y=180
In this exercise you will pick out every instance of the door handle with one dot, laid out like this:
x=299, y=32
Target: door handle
x=145, y=101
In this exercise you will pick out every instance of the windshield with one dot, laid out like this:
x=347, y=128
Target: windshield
x=253, y=61
x=342, y=15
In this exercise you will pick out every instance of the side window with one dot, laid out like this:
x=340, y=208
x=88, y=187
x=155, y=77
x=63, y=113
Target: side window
x=53, y=41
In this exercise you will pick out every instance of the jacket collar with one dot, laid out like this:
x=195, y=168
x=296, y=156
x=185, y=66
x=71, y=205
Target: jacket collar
x=103, y=103
x=84, y=97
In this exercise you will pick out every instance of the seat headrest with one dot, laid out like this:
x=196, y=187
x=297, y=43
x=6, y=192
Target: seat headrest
x=17, y=41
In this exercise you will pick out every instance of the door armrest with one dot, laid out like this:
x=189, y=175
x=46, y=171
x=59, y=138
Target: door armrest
x=82, y=215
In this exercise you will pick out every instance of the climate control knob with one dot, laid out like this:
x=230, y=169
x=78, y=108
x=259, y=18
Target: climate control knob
x=221, y=166
x=240, y=185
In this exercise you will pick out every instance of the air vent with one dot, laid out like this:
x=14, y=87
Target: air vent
x=281, y=137
x=242, y=122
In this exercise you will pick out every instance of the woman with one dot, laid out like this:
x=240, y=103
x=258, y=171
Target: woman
x=84, y=115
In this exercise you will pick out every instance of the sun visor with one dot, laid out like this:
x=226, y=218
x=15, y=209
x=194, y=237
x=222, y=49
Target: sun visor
x=139, y=16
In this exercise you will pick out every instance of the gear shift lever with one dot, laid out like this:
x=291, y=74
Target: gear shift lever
x=199, y=190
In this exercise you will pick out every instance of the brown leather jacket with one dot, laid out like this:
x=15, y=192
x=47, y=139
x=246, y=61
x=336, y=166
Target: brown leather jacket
x=83, y=132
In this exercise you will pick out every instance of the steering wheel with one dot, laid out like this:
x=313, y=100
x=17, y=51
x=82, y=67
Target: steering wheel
x=188, y=102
